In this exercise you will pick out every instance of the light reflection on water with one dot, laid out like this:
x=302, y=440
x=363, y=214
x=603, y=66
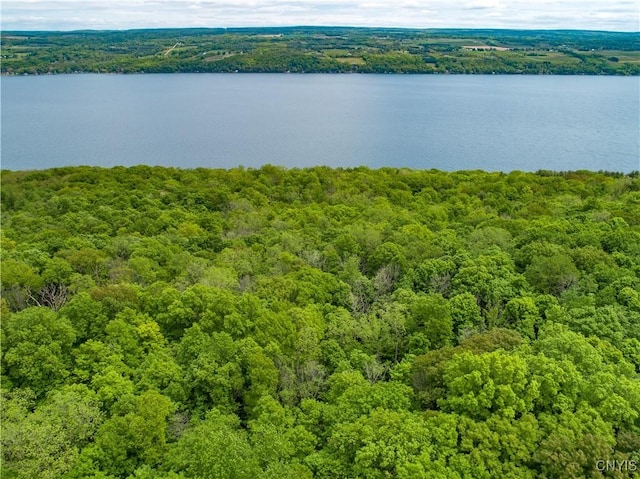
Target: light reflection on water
x=418, y=121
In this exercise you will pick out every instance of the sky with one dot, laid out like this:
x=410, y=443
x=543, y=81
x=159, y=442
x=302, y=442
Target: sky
x=611, y=15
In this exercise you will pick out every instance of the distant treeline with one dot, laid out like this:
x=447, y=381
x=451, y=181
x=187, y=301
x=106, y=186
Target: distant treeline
x=322, y=50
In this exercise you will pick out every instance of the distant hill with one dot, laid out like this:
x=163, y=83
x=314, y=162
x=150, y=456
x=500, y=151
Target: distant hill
x=322, y=50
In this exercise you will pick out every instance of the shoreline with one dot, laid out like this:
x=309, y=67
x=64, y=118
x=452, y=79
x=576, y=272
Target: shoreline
x=10, y=75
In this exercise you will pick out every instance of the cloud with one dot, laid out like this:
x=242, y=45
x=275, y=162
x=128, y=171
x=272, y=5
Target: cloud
x=621, y=15
x=483, y=5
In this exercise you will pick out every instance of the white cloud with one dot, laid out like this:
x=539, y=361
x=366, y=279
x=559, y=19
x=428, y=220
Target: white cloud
x=619, y=15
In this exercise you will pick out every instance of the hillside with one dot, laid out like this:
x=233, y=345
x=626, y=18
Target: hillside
x=322, y=50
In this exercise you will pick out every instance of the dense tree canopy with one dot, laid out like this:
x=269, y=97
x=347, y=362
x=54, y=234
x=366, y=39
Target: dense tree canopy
x=319, y=323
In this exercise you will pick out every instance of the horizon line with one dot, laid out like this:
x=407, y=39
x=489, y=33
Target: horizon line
x=302, y=26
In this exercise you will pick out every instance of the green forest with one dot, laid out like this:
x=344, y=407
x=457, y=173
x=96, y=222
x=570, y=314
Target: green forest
x=272, y=323
x=322, y=50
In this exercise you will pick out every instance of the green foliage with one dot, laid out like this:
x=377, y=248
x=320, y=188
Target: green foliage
x=554, y=274
x=432, y=315
x=46, y=442
x=522, y=315
x=273, y=323
x=36, y=348
x=135, y=436
x=215, y=448
x=313, y=50
x=478, y=386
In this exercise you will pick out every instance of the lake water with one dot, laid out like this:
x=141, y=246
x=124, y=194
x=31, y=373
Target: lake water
x=220, y=121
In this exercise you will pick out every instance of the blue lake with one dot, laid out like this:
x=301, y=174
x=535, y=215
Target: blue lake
x=487, y=122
